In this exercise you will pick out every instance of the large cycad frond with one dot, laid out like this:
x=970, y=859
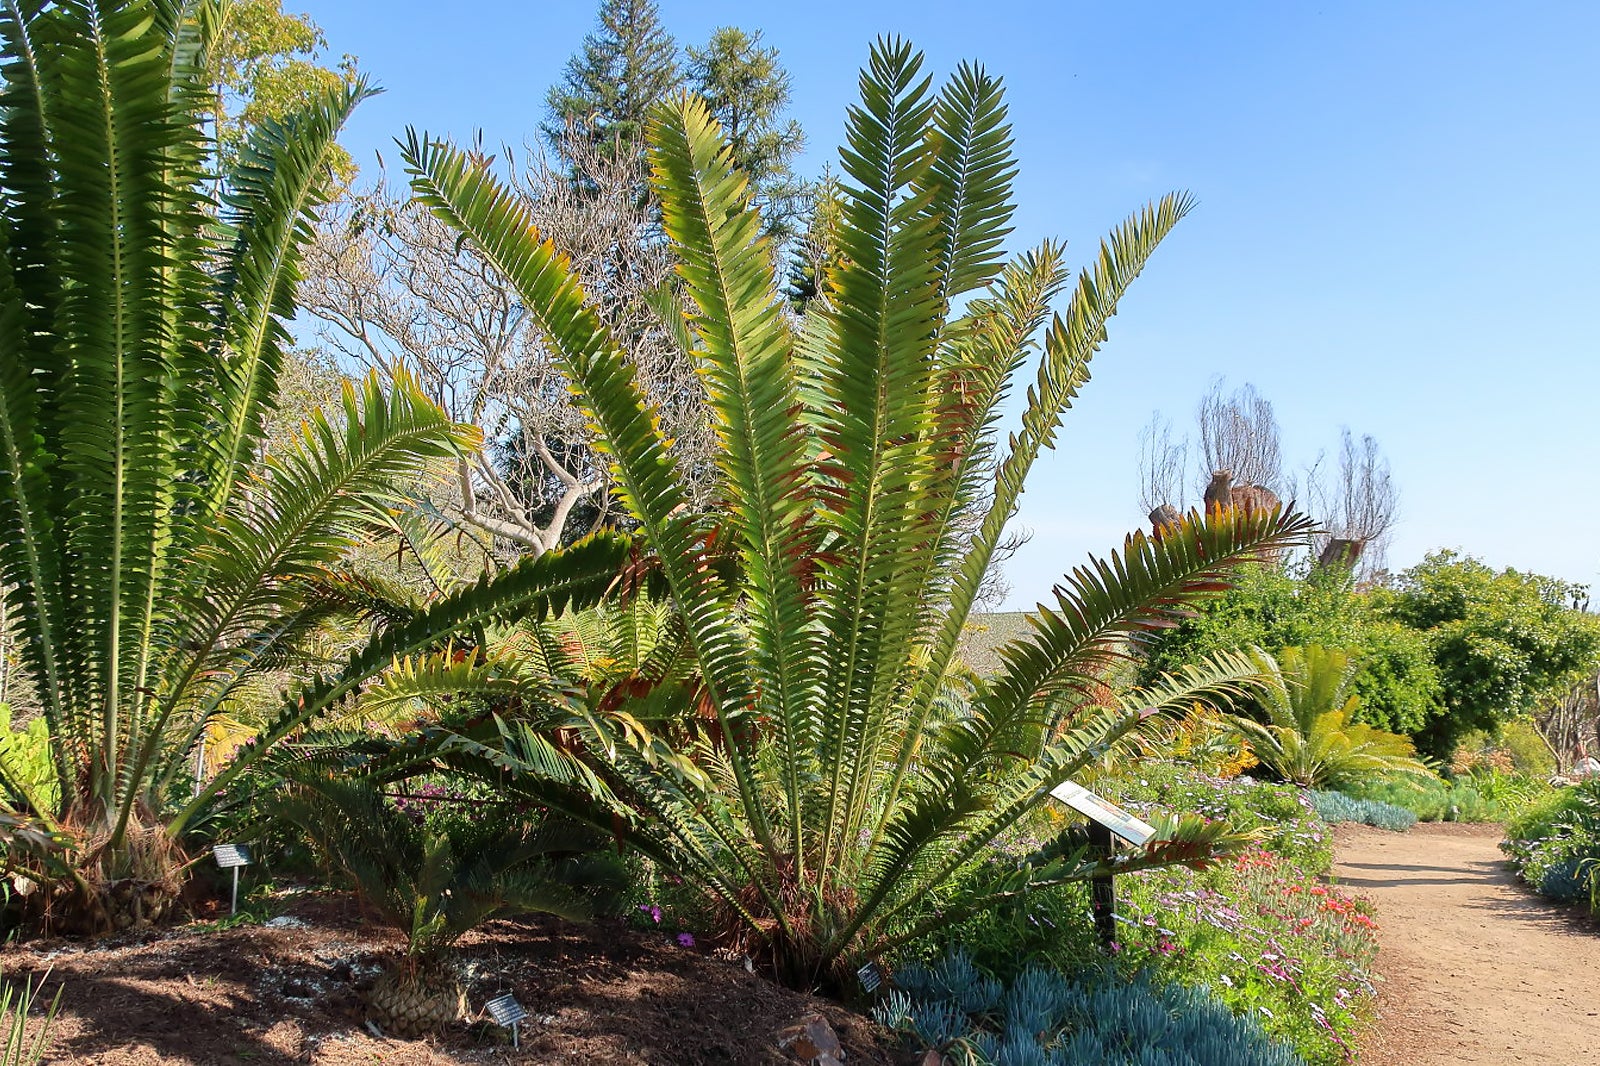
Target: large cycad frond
x=726, y=265
x=536, y=587
x=1070, y=343
x=277, y=182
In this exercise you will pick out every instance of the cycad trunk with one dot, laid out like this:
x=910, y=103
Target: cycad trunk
x=136, y=882
x=418, y=996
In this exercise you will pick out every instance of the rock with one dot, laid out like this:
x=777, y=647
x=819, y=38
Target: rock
x=812, y=1040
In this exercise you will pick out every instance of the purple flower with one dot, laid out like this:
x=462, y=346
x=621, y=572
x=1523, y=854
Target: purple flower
x=686, y=940
x=652, y=910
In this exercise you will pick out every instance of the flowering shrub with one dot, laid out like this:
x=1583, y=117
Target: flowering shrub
x=1283, y=815
x=1268, y=938
x=1262, y=933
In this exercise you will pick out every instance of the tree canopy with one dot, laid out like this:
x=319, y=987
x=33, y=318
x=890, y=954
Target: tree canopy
x=1273, y=608
x=626, y=66
x=1504, y=640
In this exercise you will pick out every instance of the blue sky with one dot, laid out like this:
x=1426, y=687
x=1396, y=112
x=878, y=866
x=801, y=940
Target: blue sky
x=1396, y=228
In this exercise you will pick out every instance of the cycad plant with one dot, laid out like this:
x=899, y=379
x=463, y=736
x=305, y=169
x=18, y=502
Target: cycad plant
x=151, y=560
x=435, y=883
x=862, y=491
x=1311, y=737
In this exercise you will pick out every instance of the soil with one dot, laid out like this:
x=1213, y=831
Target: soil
x=600, y=994
x=1476, y=969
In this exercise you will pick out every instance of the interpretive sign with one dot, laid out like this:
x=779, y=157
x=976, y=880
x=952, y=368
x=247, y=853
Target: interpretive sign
x=507, y=1012
x=231, y=857
x=1105, y=812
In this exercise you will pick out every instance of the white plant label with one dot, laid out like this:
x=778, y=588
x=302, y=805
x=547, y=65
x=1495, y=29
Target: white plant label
x=1105, y=812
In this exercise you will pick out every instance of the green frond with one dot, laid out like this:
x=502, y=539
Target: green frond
x=1071, y=341
x=312, y=503
x=305, y=512
x=1131, y=594
x=465, y=196
x=554, y=582
x=278, y=180
x=433, y=681
x=1310, y=738
x=874, y=417
x=969, y=181
x=726, y=265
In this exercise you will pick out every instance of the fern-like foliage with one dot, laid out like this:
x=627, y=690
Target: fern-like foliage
x=435, y=884
x=863, y=488
x=1311, y=737
x=151, y=562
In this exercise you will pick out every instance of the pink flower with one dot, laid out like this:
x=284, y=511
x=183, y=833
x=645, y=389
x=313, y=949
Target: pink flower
x=686, y=940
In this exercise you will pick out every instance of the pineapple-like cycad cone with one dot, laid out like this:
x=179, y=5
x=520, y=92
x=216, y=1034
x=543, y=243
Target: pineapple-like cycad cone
x=436, y=884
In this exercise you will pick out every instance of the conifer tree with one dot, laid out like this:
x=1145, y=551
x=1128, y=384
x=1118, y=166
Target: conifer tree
x=628, y=65
x=746, y=91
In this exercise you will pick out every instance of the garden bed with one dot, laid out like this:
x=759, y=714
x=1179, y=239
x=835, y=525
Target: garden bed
x=290, y=993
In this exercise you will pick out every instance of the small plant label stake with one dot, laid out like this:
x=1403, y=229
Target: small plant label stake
x=1107, y=823
x=507, y=1012
x=869, y=977
x=231, y=857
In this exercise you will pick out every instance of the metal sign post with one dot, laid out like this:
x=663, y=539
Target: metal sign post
x=507, y=1012
x=231, y=857
x=1107, y=824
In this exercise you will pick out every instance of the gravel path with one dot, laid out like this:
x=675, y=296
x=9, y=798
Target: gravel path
x=1477, y=970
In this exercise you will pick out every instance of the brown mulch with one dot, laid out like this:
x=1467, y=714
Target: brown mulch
x=598, y=994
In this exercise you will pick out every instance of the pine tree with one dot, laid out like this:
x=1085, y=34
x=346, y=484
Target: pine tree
x=626, y=67
x=746, y=91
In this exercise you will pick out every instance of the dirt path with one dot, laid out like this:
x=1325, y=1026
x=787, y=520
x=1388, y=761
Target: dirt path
x=1477, y=969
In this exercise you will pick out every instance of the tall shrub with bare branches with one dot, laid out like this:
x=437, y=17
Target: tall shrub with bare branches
x=1357, y=505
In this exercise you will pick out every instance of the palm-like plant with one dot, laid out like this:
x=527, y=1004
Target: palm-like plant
x=862, y=494
x=436, y=884
x=150, y=559
x=1311, y=737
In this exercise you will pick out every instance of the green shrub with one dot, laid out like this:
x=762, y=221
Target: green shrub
x=1539, y=818
x=1335, y=807
x=1482, y=796
x=1555, y=847
x=1044, y=1019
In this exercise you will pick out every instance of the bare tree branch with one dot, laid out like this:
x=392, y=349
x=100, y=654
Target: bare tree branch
x=393, y=289
x=1358, y=506
x=1239, y=435
x=1163, y=466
